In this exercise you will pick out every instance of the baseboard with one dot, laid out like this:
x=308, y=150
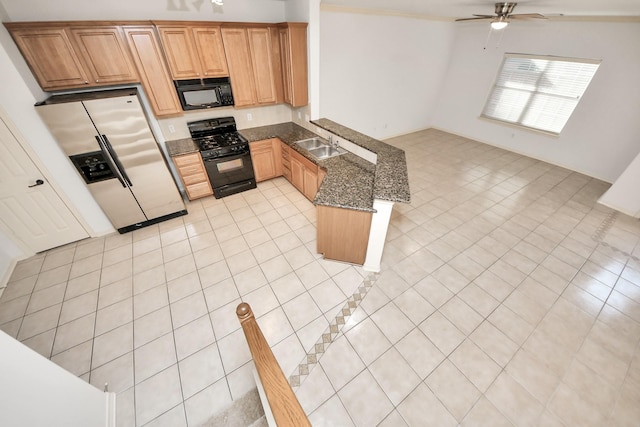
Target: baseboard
x=522, y=153
x=4, y=280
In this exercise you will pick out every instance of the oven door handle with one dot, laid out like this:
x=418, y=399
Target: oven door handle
x=227, y=158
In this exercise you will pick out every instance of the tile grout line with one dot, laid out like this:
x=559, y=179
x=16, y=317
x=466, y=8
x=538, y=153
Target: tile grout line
x=313, y=356
x=602, y=231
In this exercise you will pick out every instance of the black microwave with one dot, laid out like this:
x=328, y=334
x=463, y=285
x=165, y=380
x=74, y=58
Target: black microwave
x=198, y=94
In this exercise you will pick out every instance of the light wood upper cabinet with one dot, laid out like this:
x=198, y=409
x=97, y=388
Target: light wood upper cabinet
x=193, y=52
x=66, y=56
x=105, y=54
x=249, y=57
x=154, y=74
x=261, y=61
x=293, y=59
x=51, y=56
x=211, y=51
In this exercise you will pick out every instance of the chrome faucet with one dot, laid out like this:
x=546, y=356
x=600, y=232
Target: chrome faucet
x=332, y=143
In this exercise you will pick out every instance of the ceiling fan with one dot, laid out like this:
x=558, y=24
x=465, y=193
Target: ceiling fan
x=503, y=15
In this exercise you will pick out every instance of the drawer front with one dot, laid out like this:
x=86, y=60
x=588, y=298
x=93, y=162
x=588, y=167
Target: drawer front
x=195, y=178
x=267, y=144
x=190, y=170
x=187, y=159
x=286, y=163
x=196, y=191
x=286, y=173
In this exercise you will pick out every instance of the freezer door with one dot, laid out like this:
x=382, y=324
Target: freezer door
x=124, y=128
x=76, y=134
x=71, y=127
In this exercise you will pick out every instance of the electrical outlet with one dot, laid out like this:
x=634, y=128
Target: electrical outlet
x=249, y=116
x=172, y=129
x=299, y=115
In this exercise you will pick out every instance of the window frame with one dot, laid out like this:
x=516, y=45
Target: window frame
x=519, y=124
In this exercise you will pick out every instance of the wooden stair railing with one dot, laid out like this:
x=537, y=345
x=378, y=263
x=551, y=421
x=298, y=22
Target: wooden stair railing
x=283, y=402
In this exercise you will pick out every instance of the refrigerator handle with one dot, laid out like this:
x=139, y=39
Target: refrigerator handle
x=116, y=160
x=107, y=157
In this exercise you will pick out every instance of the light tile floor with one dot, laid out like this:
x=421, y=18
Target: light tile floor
x=507, y=297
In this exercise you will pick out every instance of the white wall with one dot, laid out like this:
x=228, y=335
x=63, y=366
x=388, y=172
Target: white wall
x=623, y=194
x=37, y=392
x=601, y=137
x=380, y=75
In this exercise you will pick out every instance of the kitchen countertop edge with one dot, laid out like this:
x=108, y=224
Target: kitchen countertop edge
x=351, y=182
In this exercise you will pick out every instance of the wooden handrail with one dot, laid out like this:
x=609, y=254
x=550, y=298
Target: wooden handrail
x=283, y=402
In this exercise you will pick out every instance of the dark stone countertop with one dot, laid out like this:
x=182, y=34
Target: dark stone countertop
x=351, y=182
x=391, y=180
x=178, y=147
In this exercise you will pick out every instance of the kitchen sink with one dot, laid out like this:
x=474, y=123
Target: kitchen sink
x=311, y=143
x=319, y=148
x=326, y=152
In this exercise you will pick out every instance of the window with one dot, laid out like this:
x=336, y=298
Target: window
x=539, y=92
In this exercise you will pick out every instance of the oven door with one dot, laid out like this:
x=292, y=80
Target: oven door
x=230, y=174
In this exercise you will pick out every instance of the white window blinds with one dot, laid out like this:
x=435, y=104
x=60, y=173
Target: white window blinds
x=539, y=92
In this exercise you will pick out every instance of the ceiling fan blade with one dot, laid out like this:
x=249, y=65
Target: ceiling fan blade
x=484, y=16
x=527, y=16
x=474, y=19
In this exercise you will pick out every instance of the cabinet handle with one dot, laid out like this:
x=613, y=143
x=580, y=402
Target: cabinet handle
x=97, y=81
x=86, y=82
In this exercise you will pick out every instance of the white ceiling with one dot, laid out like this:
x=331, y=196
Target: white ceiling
x=465, y=8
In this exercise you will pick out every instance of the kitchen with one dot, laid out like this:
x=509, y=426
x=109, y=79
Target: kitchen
x=374, y=118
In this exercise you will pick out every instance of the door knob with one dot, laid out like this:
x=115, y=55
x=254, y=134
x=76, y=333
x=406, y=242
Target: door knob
x=38, y=182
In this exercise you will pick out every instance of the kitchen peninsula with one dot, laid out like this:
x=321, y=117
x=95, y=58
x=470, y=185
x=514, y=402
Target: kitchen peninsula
x=354, y=194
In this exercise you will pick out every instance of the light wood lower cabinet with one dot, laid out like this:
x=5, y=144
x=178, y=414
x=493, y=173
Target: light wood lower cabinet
x=304, y=175
x=343, y=234
x=266, y=159
x=286, y=160
x=193, y=175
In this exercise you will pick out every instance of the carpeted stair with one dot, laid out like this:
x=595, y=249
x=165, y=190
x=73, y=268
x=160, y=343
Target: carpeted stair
x=246, y=411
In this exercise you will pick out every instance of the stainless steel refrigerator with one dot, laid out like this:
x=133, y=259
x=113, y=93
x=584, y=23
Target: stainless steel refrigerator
x=107, y=138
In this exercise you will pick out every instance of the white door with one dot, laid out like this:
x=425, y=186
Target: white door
x=30, y=210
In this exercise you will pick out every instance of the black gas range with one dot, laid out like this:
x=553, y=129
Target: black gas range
x=225, y=154
x=217, y=137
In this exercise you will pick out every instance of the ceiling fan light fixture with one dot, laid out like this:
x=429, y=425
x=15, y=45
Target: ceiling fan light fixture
x=499, y=23
x=218, y=2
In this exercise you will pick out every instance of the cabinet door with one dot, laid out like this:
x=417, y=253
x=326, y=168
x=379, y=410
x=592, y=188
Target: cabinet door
x=293, y=56
x=210, y=51
x=285, y=59
x=263, y=159
x=261, y=60
x=343, y=234
x=310, y=183
x=154, y=74
x=236, y=48
x=51, y=57
x=180, y=51
x=297, y=174
x=105, y=54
